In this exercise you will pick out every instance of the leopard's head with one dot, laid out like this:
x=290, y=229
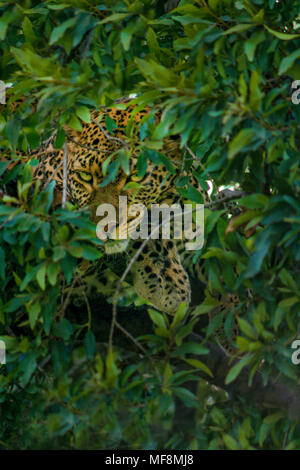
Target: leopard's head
x=90, y=151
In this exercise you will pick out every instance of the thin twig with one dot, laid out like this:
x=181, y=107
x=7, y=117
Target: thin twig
x=61, y=312
x=126, y=333
x=110, y=137
x=52, y=176
x=195, y=158
x=38, y=153
x=89, y=323
x=48, y=141
x=40, y=367
x=118, y=288
x=94, y=149
x=226, y=198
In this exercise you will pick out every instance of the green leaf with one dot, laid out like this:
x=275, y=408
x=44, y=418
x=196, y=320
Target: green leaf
x=112, y=370
x=287, y=279
x=278, y=317
x=53, y=270
x=187, y=397
x=238, y=28
x=215, y=323
x=179, y=315
x=114, y=17
x=59, y=31
x=199, y=365
x=33, y=62
x=63, y=329
x=273, y=418
x=90, y=344
x=288, y=62
x=41, y=276
x=261, y=249
x=167, y=373
x=230, y=442
x=83, y=113
x=142, y=165
x=263, y=433
x=246, y=328
x=283, y=36
x=3, y=28
x=190, y=347
x=60, y=138
x=252, y=43
x=157, y=72
x=211, y=218
x=12, y=130
x=254, y=201
x=110, y=123
x=157, y=318
x=74, y=123
x=33, y=313
x=152, y=42
x=255, y=93
x=236, y=369
x=218, y=417
x=194, y=195
x=289, y=302
x=10, y=342
x=207, y=305
x=126, y=35
x=90, y=252
x=28, y=31
x=240, y=141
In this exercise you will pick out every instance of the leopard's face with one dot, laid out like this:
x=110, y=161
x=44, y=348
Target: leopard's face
x=85, y=189
x=89, y=150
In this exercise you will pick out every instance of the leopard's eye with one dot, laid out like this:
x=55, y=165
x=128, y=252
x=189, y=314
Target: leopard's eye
x=85, y=176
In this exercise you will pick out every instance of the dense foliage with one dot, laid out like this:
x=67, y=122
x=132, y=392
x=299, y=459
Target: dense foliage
x=221, y=73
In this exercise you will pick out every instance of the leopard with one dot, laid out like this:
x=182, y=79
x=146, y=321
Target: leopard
x=160, y=272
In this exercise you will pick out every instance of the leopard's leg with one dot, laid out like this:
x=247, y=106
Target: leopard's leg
x=159, y=276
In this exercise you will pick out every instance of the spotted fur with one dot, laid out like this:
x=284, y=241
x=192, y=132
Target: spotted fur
x=158, y=273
